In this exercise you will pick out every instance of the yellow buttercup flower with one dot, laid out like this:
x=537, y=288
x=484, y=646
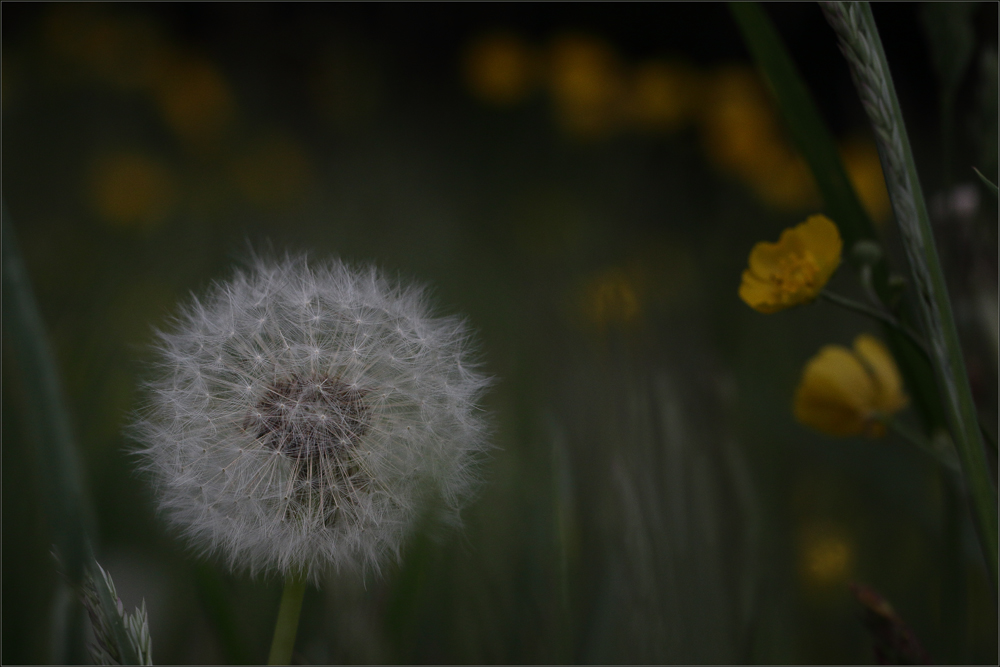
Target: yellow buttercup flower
x=793, y=270
x=847, y=392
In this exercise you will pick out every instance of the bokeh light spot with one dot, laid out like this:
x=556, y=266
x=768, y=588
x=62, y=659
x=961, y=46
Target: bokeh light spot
x=499, y=68
x=128, y=189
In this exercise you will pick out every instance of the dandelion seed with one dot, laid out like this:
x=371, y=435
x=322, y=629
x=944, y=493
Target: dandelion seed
x=317, y=444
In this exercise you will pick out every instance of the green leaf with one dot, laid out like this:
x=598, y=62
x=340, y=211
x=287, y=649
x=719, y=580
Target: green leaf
x=939, y=323
x=67, y=507
x=951, y=36
x=805, y=125
x=65, y=501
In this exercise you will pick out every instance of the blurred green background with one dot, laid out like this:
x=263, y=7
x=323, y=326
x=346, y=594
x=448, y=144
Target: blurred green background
x=583, y=182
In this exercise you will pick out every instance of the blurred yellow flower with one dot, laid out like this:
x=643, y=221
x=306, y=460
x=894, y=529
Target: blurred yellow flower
x=793, y=270
x=611, y=298
x=586, y=84
x=499, y=68
x=783, y=180
x=742, y=135
x=826, y=555
x=663, y=95
x=116, y=49
x=131, y=190
x=861, y=161
x=847, y=392
x=738, y=122
x=194, y=97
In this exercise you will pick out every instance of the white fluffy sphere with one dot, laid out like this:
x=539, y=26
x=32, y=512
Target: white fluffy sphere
x=304, y=414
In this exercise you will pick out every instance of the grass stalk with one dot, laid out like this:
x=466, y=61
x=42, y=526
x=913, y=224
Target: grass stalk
x=862, y=47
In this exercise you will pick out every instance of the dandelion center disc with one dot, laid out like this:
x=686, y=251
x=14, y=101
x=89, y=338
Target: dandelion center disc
x=310, y=418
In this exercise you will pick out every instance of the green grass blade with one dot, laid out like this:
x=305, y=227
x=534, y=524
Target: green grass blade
x=47, y=420
x=987, y=182
x=805, y=125
x=61, y=473
x=66, y=503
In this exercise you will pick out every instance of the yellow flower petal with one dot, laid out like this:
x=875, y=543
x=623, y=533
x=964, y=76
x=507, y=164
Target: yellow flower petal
x=758, y=293
x=888, y=384
x=765, y=258
x=822, y=238
x=835, y=393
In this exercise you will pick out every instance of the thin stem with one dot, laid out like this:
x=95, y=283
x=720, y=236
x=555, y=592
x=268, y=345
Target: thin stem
x=869, y=286
x=987, y=182
x=947, y=125
x=287, y=625
x=917, y=439
x=877, y=314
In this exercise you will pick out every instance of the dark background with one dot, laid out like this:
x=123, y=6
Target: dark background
x=351, y=130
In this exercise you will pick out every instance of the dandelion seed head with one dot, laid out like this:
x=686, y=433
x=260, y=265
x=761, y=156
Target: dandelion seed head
x=303, y=413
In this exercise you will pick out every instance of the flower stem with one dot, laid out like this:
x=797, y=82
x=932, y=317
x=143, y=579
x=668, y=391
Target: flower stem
x=942, y=453
x=879, y=315
x=287, y=625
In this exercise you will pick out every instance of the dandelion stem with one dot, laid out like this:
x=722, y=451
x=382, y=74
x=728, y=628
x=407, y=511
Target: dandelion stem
x=879, y=315
x=287, y=625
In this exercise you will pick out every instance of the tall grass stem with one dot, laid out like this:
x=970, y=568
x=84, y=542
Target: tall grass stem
x=862, y=47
